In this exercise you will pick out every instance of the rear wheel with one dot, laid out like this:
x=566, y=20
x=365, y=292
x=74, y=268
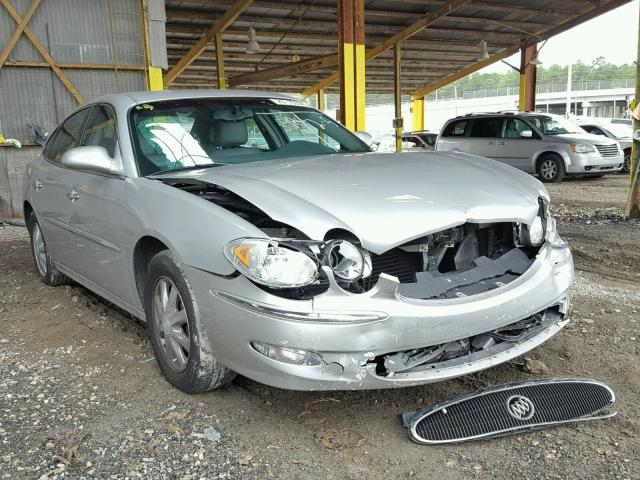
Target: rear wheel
x=48, y=273
x=551, y=168
x=180, y=342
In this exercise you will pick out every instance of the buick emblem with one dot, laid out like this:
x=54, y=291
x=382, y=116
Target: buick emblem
x=520, y=408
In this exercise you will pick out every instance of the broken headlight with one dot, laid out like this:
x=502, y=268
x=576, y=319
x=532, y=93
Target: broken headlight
x=348, y=262
x=534, y=235
x=272, y=263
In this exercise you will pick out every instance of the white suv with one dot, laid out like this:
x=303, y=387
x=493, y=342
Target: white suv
x=546, y=144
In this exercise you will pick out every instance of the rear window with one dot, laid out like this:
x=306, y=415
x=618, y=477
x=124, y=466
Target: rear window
x=456, y=129
x=486, y=127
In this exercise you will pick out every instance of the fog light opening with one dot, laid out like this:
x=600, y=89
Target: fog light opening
x=293, y=356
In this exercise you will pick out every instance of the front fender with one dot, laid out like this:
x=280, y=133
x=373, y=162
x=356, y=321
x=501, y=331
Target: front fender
x=195, y=229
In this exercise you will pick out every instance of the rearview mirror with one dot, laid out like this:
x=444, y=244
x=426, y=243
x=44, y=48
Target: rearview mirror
x=526, y=134
x=92, y=159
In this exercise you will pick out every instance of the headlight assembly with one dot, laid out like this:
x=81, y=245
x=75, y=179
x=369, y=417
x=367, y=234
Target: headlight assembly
x=286, y=263
x=272, y=263
x=534, y=235
x=582, y=148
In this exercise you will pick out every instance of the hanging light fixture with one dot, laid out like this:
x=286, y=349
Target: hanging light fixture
x=484, y=51
x=252, y=46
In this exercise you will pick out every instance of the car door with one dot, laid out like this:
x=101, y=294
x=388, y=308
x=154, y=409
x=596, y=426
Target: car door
x=412, y=143
x=484, y=133
x=49, y=185
x=517, y=144
x=454, y=136
x=96, y=212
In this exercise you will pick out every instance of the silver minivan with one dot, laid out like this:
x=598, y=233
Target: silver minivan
x=546, y=144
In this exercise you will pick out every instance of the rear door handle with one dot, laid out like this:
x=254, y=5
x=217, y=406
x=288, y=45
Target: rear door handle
x=501, y=143
x=73, y=195
x=36, y=184
x=491, y=142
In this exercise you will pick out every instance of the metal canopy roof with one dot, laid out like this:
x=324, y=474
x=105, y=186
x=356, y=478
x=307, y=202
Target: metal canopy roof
x=291, y=31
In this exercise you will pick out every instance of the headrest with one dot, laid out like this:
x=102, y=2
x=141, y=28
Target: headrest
x=228, y=134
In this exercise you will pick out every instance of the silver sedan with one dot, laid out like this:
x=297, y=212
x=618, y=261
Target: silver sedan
x=255, y=235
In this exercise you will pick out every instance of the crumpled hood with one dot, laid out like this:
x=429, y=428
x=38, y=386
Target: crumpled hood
x=384, y=199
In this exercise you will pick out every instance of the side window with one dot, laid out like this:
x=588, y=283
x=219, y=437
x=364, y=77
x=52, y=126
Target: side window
x=413, y=142
x=456, y=129
x=100, y=130
x=67, y=136
x=513, y=128
x=486, y=127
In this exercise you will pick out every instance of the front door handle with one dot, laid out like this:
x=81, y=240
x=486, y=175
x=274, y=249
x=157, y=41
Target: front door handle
x=73, y=195
x=491, y=142
x=501, y=143
x=36, y=184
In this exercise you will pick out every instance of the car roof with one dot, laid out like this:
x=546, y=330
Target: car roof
x=134, y=98
x=504, y=113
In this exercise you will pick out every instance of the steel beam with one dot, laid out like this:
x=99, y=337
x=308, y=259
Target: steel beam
x=41, y=50
x=405, y=33
x=6, y=51
x=346, y=67
x=287, y=70
x=220, y=26
x=222, y=81
x=591, y=12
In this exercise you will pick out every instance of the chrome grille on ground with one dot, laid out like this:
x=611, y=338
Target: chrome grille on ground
x=608, y=150
x=509, y=409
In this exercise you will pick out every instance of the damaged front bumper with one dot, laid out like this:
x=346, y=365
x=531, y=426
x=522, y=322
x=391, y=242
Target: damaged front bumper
x=358, y=337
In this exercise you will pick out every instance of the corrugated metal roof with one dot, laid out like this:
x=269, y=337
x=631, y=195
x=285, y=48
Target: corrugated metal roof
x=307, y=28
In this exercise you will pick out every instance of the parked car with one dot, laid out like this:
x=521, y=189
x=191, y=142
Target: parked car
x=548, y=145
x=411, y=142
x=424, y=139
x=255, y=235
x=619, y=132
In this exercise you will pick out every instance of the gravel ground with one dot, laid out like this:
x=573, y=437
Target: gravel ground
x=82, y=397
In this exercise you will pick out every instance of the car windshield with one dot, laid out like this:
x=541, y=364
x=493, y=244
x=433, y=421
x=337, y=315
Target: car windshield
x=554, y=125
x=619, y=130
x=195, y=133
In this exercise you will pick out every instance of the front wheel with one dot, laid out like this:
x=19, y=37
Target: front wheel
x=180, y=342
x=626, y=166
x=551, y=169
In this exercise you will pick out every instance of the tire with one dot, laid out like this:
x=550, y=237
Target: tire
x=551, y=169
x=185, y=356
x=48, y=274
x=626, y=166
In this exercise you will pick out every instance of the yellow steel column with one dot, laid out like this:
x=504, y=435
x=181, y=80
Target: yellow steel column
x=321, y=104
x=397, y=96
x=154, y=74
x=417, y=114
x=346, y=65
x=222, y=82
x=359, y=65
x=523, y=81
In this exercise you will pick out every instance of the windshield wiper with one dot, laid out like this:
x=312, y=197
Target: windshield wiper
x=183, y=169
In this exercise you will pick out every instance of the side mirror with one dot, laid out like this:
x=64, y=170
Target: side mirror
x=92, y=159
x=365, y=137
x=526, y=134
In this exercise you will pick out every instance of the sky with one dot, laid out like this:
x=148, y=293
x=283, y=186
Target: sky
x=613, y=35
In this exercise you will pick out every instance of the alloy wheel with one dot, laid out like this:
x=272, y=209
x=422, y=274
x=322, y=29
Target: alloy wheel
x=548, y=169
x=39, y=250
x=171, y=324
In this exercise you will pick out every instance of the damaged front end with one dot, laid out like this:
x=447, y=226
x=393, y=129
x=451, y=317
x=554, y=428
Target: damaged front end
x=445, y=304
